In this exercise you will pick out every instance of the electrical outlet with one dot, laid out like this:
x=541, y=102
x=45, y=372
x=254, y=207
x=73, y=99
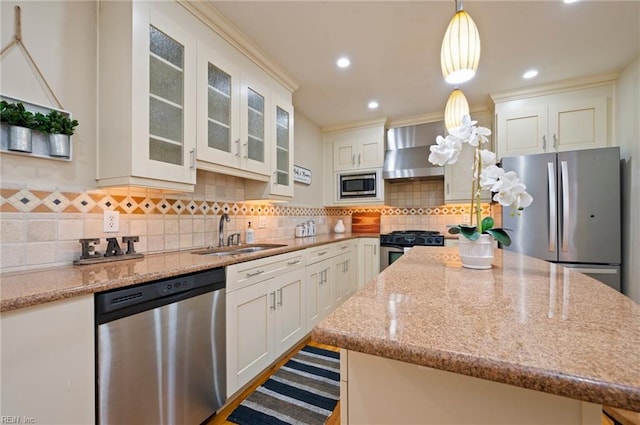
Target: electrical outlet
x=111, y=221
x=466, y=218
x=262, y=222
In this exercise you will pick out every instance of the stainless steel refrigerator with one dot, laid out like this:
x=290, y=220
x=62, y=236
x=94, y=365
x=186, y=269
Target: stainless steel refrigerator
x=575, y=217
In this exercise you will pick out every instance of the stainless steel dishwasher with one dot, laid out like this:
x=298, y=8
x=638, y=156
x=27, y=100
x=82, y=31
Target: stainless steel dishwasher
x=161, y=352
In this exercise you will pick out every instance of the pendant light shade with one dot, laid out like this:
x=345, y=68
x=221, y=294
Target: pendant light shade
x=460, y=51
x=457, y=107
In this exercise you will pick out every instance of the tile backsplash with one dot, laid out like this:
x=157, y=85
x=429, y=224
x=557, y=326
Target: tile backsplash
x=42, y=228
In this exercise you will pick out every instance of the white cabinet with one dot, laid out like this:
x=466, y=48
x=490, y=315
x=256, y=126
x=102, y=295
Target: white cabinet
x=346, y=272
x=318, y=277
x=357, y=148
x=571, y=120
x=48, y=362
x=280, y=151
x=368, y=260
x=265, y=314
x=147, y=89
x=458, y=177
x=232, y=118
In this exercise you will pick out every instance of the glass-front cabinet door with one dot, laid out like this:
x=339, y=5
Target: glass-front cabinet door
x=254, y=128
x=218, y=108
x=282, y=183
x=147, y=120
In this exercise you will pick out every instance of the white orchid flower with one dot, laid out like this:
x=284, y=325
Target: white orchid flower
x=445, y=151
x=487, y=158
x=490, y=176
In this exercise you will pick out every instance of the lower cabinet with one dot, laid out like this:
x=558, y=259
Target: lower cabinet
x=368, y=260
x=48, y=364
x=273, y=302
x=346, y=276
x=264, y=318
x=319, y=279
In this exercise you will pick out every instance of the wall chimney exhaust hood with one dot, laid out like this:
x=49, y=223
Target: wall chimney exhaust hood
x=407, y=155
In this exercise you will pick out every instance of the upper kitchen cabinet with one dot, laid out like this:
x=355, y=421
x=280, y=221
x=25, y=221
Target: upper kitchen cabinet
x=233, y=118
x=279, y=187
x=147, y=120
x=357, y=148
x=554, y=120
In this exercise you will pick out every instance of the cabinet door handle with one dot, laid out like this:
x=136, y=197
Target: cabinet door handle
x=238, y=148
x=291, y=263
x=544, y=143
x=280, y=297
x=555, y=142
x=322, y=253
x=359, y=157
x=353, y=159
x=255, y=274
x=447, y=188
x=192, y=158
x=375, y=250
x=344, y=247
x=273, y=300
x=246, y=150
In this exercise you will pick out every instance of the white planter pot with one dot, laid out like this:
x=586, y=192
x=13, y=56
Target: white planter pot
x=19, y=139
x=476, y=254
x=59, y=145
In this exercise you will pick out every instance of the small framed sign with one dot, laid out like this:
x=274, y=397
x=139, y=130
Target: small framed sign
x=301, y=175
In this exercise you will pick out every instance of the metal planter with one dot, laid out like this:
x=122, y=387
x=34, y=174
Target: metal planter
x=20, y=139
x=59, y=145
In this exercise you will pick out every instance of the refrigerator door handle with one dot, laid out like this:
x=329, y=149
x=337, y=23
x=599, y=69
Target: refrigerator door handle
x=565, y=205
x=553, y=207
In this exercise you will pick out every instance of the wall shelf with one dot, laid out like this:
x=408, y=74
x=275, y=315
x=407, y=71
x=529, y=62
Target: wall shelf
x=39, y=140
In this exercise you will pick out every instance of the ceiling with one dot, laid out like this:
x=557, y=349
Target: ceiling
x=394, y=48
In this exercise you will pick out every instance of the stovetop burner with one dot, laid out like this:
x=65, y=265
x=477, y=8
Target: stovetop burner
x=408, y=238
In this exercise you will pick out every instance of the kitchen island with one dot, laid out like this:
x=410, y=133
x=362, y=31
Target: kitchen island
x=528, y=341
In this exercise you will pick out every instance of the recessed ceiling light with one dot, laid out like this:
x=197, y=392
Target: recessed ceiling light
x=571, y=1
x=530, y=74
x=373, y=104
x=343, y=62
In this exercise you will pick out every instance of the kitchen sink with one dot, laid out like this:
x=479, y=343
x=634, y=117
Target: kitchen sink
x=238, y=249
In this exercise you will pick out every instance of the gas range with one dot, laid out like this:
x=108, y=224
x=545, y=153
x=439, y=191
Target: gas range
x=409, y=238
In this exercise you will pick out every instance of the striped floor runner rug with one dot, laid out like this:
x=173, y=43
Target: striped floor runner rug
x=305, y=390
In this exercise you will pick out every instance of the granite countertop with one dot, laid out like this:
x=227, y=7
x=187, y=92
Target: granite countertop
x=526, y=322
x=28, y=288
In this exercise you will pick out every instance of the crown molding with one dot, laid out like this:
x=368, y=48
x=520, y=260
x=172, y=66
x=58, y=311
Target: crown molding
x=556, y=87
x=355, y=125
x=221, y=25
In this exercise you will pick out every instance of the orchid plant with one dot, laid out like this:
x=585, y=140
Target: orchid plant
x=509, y=190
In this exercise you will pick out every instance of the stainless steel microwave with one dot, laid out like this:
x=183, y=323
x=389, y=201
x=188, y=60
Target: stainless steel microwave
x=358, y=185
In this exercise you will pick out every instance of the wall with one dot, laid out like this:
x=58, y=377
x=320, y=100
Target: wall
x=628, y=135
x=61, y=38
x=308, y=154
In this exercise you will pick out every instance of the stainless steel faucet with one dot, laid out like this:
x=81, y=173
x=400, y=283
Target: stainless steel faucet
x=224, y=217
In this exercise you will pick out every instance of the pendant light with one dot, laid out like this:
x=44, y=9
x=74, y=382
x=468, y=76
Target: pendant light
x=457, y=107
x=460, y=51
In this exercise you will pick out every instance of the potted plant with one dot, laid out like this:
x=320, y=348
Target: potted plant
x=59, y=127
x=476, y=240
x=20, y=122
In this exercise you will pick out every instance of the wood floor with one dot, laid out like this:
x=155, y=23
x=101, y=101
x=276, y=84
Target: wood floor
x=221, y=417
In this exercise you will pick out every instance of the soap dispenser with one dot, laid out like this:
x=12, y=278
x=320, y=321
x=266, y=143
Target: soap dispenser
x=249, y=235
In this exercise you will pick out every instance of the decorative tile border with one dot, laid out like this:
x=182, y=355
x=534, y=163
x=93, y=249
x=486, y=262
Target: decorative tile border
x=32, y=201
